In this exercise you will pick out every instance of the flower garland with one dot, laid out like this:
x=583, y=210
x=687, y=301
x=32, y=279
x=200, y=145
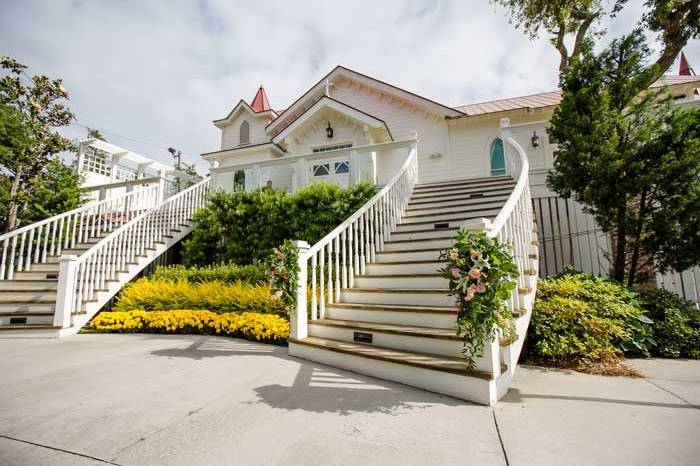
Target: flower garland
x=481, y=273
x=283, y=270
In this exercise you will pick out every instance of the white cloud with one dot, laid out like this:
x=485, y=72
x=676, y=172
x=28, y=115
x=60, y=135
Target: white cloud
x=159, y=72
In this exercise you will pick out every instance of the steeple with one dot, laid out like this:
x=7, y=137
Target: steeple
x=685, y=69
x=260, y=102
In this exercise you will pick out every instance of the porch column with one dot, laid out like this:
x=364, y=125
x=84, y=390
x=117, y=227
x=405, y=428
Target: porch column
x=373, y=171
x=301, y=173
x=257, y=177
x=354, y=168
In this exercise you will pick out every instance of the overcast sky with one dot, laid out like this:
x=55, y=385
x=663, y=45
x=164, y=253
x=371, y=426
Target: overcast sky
x=153, y=74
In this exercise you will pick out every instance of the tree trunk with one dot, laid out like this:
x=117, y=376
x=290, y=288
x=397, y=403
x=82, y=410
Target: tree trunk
x=620, y=246
x=13, y=203
x=637, y=240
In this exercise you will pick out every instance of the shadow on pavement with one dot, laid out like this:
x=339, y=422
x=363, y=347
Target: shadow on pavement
x=515, y=396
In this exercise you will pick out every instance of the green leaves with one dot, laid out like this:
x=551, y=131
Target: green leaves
x=481, y=273
x=631, y=159
x=244, y=227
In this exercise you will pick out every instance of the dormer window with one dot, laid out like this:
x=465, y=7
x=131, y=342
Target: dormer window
x=244, y=133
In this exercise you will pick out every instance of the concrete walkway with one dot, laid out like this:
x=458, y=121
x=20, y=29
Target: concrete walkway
x=185, y=400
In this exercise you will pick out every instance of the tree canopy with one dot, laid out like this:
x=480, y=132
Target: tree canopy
x=574, y=21
x=631, y=159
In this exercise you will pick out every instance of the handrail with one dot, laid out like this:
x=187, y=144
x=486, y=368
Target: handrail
x=520, y=185
x=345, y=251
x=50, y=236
x=373, y=200
x=80, y=278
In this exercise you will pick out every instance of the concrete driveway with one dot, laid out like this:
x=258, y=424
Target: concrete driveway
x=186, y=400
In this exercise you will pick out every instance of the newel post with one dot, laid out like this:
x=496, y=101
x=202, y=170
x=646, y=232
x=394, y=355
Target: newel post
x=66, y=290
x=298, y=321
x=161, y=188
x=492, y=349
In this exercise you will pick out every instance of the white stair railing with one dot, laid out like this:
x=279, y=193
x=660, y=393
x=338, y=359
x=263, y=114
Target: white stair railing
x=334, y=260
x=514, y=222
x=32, y=244
x=81, y=278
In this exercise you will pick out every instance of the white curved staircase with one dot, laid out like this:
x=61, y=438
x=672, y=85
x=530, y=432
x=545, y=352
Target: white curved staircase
x=378, y=304
x=56, y=274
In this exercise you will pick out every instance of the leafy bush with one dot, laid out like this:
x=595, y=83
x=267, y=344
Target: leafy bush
x=227, y=273
x=249, y=325
x=283, y=270
x=217, y=296
x=244, y=227
x=676, y=324
x=579, y=319
x=481, y=273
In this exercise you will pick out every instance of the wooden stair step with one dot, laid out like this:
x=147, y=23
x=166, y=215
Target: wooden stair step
x=456, y=366
x=406, y=330
x=397, y=308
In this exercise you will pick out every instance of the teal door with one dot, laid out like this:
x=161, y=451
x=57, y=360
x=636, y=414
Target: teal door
x=498, y=160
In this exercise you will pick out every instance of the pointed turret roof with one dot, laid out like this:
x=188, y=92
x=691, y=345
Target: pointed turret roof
x=685, y=69
x=260, y=102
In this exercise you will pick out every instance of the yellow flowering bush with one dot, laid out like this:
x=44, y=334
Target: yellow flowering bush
x=266, y=328
x=217, y=296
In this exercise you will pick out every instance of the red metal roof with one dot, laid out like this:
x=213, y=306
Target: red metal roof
x=260, y=102
x=685, y=69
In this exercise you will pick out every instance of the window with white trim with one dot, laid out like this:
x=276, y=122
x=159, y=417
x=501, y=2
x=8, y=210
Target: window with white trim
x=321, y=170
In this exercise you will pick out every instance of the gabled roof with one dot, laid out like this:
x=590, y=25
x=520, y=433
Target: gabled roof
x=684, y=69
x=243, y=104
x=328, y=102
x=279, y=123
x=260, y=102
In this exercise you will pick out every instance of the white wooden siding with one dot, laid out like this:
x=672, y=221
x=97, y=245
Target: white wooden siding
x=402, y=121
x=230, y=134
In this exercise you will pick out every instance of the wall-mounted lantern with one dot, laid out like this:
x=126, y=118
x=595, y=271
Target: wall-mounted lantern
x=329, y=131
x=535, y=139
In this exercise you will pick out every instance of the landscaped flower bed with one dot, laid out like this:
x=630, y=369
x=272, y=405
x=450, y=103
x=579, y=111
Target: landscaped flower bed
x=249, y=325
x=150, y=294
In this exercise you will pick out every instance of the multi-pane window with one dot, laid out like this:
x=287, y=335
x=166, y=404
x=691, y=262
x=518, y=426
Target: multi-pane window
x=342, y=167
x=123, y=173
x=321, y=170
x=345, y=145
x=96, y=162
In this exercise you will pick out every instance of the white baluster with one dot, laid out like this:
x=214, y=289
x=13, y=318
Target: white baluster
x=314, y=303
x=330, y=272
x=4, y=259
x=322, y=284
x=337, y=269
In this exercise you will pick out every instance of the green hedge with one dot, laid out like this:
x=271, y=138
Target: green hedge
x=579, y=318
x=227, y=273
x=676, y=324
x=244, y=227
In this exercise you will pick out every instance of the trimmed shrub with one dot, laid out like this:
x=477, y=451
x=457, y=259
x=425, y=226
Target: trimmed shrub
x=580, y=320
x=249, y=325
x=227, y=273
x=244, y=227
x=215, y=296
x=676, y=324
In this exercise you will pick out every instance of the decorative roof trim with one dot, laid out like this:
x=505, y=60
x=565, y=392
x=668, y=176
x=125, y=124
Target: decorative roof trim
x=338, y=106
x=445, y=110
x=212, y=155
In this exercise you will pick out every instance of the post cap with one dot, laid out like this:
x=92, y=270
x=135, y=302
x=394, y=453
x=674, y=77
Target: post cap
x=478, y=224
x=300, y=244
x=68, y=258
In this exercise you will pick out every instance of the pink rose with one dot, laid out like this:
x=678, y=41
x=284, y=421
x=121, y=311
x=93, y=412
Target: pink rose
x=474, y=254
x=454, y=255
x=455, y=272
x=474, y=273
x=470, y=295
x=481, y=288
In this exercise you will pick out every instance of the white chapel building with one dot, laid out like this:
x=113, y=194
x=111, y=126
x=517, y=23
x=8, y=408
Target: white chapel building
x=349, y=127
